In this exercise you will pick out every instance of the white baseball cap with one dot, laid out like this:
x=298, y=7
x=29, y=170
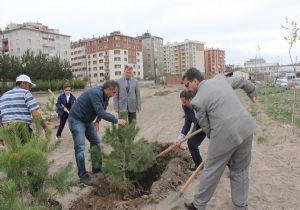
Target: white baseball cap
x=24, y=78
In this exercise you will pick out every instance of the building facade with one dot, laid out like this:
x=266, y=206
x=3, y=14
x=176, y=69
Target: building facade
x=214, y=62
x=260, y=65
x=78, y=59
x=107, y=56
x=179, y=57
x=38, y=38
x=153, y=50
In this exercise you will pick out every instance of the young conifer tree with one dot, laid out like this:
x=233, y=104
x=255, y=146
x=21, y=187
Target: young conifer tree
x=25, y=163
x=127, y=156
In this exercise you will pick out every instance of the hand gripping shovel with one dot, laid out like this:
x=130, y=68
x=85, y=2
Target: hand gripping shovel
x=172, y=199
x=54, y=96
x=174, y=145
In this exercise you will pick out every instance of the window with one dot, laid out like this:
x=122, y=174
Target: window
x=101, y=67
x=117, y=59
x=95, y=75
x=118, y=66
x=100, y=54
x=94, y=55
x=117, y=73
x=101, y=61
x=125, y=52
x=117, y=52
x=101, y=74
x=125, y=59
x=95, y=69
x=94, y=62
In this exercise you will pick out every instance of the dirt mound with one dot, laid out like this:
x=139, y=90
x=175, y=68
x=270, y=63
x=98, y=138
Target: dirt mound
x=162, y=93
x=151, y=186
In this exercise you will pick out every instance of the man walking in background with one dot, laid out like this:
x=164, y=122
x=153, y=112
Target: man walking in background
x=229, y=127
x=128, y=96
x=89, y=106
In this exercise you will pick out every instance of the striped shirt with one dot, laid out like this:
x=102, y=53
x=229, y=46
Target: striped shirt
x=17, y=105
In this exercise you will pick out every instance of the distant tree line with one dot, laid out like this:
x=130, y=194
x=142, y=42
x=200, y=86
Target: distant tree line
x=38, y=67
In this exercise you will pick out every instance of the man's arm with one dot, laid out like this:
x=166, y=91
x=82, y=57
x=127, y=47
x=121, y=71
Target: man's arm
x=37, y=117
x=116, y=99
x=99, y=109
x=203, y=120
x=138, y=97
x=187, y=122
x=246, y=85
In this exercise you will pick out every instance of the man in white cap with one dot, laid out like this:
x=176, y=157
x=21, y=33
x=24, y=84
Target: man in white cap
x=18, y=104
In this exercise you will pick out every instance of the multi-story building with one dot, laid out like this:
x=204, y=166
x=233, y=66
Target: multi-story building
x=260, y=65
x=152, y=55
x=38, y=38
x=108, y=55
x=78, y=59
x=214, y=62
x=179, y=57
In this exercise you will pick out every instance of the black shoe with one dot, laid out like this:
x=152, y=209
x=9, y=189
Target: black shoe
x=193, y=168
x=86, y=180
x=190, y=206
x=96, y=170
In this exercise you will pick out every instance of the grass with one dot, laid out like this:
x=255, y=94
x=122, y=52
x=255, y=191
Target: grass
x=278, y=103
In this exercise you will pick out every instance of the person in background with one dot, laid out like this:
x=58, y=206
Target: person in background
x=64, y=103
x=128, y=96
x=189, y=116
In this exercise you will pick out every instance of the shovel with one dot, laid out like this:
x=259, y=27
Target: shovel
x=174, y=145
x=172, y=199
x=54, y=96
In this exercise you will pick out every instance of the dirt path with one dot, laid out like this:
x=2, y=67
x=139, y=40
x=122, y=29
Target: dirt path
x=275, y=168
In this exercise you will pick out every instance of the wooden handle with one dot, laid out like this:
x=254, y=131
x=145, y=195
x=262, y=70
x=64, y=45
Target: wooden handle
x=184, y=140
x=188, y=182
x=54, y=96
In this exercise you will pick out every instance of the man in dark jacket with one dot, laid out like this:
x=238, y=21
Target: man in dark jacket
x=63, y=105
x=89, y=106
x=193, y=143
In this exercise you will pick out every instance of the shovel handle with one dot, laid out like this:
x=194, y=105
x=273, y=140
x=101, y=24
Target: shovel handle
x=184, y=140
x=53, y=95
x=188, y=182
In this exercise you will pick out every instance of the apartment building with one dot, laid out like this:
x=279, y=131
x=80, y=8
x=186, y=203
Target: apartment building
x=107, y=56
x=260, y=65
x=214, y=62
x=36, y=37
x=153, y=56
x=179, y=57
x=78, y=59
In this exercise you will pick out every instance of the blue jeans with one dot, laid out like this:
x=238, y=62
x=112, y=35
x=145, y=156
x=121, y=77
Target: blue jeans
x=79, y=131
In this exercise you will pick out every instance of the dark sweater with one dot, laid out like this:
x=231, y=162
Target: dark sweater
x=91, y=104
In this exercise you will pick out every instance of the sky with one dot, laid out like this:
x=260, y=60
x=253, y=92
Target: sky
x=236, y=26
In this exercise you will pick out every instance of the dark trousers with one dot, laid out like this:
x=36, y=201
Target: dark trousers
x=131, y=116
x=62, y=122
x=193, y=145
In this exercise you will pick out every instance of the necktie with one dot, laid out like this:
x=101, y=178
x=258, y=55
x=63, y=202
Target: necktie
x=128, y=85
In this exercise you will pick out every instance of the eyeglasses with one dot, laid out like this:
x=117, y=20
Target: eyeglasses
x=67, y=89
x=187, y=84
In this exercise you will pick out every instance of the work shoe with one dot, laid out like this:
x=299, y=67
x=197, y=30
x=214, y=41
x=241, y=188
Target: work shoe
x=193, y=167
x=96, y=170
x=190, y=206
x=86, y=180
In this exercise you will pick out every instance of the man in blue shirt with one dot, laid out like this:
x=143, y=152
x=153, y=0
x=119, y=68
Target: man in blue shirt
x=89, y=106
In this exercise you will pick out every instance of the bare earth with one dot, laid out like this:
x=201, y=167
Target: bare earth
x=275, y=167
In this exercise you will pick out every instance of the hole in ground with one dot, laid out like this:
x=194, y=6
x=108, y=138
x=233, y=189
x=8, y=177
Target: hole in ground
x=164, y=176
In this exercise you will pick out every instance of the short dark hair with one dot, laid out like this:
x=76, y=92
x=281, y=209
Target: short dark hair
x=66, y=85
x=110, y=84
x=128, y=67
x=186, y=94
x=193, y=73
x=18, y=83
